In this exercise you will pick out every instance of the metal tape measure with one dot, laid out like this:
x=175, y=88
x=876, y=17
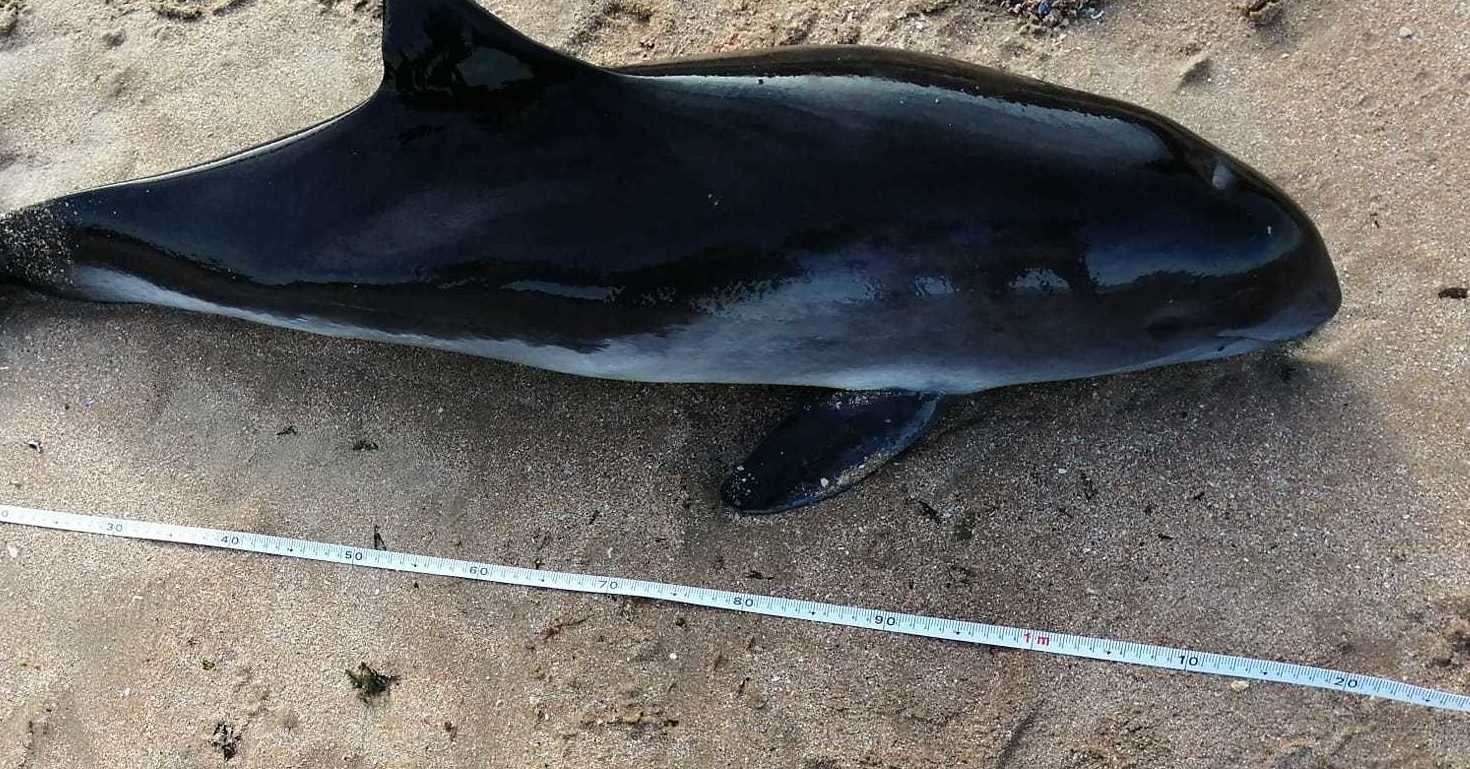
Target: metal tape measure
x=1147, y=655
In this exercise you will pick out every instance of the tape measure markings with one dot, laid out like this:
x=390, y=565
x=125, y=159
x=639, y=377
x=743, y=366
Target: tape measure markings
x=1064, y=644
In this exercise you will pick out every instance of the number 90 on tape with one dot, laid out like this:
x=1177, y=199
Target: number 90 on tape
x=1025, y=639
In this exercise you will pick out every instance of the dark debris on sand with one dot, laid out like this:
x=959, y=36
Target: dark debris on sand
x=1052, y=13
x=369, y=683
x=226, y=740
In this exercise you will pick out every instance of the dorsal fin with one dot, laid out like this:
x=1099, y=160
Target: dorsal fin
x=456, y=50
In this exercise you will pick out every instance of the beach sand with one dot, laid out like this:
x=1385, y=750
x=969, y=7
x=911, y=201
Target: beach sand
x=1305, y=504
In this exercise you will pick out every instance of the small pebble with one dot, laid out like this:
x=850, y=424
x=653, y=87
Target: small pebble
x=11, y=550
x=1196, y=71
x=1239, y=686
x=1405, y=33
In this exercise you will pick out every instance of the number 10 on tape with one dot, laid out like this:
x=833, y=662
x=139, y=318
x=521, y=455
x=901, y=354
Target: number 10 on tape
x=1064, y=644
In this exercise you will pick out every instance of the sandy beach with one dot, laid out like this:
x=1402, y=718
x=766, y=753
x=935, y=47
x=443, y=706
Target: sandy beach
x=1309, y=503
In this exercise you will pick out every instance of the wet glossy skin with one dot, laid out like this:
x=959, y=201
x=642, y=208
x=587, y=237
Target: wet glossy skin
x=851, y=218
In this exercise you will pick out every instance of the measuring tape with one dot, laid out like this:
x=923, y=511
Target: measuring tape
x=1166, y=657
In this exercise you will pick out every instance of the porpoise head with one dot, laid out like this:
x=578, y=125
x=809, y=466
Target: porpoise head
x=1202, y=258
x=1297, y=289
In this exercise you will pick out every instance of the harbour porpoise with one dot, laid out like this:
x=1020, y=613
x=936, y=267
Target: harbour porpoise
x=890, y=226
